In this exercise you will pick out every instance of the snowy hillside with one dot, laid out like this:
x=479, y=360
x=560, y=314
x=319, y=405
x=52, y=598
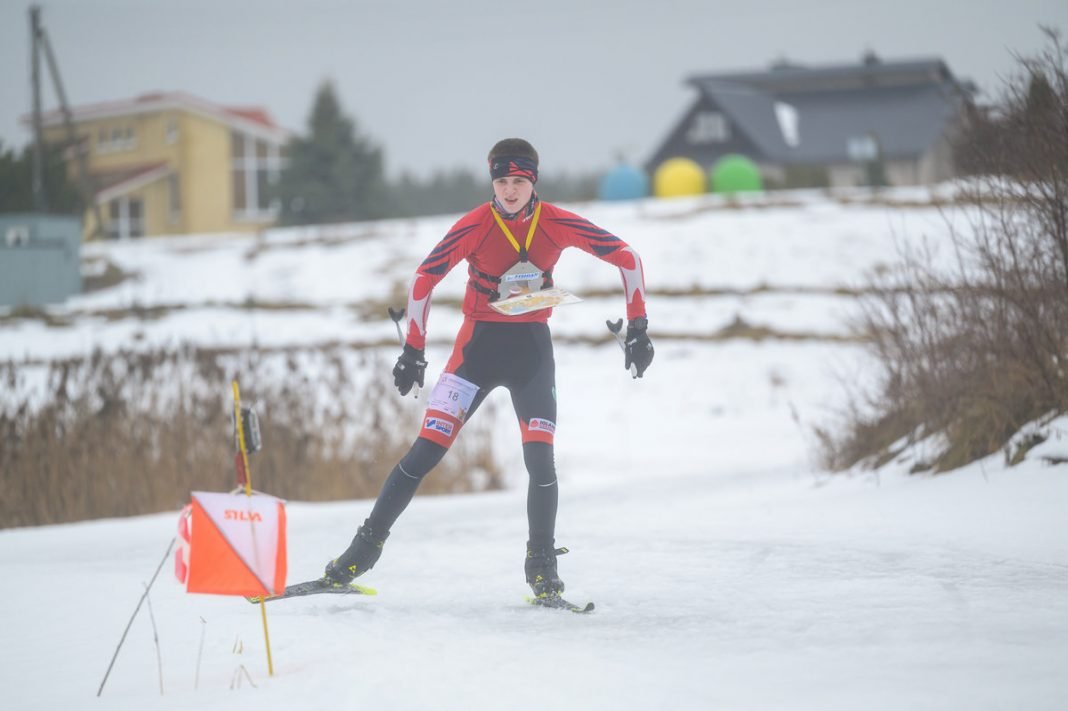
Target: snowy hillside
x=729, y=572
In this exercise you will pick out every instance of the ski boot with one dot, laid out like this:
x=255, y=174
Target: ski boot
x=360, y=557
x=540, y=567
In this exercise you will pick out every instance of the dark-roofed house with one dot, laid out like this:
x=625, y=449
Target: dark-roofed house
x=836, y=120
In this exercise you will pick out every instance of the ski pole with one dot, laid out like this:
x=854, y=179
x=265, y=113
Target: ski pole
x=397, y=315
x=155, y=638
x=200, y=653
x=136, y=609
x=617, y=330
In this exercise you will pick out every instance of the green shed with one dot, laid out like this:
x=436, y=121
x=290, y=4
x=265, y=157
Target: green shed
x=40, y=259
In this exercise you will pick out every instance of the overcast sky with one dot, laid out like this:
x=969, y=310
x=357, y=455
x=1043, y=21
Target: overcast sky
x=436, y=82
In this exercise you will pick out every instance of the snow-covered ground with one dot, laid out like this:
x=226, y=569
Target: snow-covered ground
x=729, y=572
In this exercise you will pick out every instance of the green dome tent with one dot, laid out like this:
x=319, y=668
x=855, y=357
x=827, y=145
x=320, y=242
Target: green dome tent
x=735, y=173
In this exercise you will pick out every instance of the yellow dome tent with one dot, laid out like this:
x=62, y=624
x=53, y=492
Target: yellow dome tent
x=677, y=177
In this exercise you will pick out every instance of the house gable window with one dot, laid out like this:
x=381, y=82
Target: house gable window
x=787, y=118
x=708, y=127
x=255, y=168
x=862, y=148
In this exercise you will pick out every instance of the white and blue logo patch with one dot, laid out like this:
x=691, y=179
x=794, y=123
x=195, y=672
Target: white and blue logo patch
x=527, y=276
x=537, y=424
x=438, y=425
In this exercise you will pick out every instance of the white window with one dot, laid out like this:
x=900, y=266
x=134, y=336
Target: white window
x=115, y=138
x=256, y=166
x=708, y=127
x=127, y=218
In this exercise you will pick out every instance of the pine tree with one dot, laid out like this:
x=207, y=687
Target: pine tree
x=16, y=182
x=334, y=174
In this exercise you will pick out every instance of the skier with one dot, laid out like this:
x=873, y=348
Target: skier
x=509, y=243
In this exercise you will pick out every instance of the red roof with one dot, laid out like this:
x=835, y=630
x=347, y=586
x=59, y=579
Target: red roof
x=251, y=114
x=104, y=179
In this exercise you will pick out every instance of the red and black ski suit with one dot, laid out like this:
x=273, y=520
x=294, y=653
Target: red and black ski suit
x=493, y=349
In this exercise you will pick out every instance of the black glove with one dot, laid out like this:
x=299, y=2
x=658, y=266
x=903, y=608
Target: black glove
x=638, y=347
x=409, y=370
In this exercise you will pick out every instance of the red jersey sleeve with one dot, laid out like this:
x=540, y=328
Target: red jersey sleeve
x=570, y=230
x=460, y=240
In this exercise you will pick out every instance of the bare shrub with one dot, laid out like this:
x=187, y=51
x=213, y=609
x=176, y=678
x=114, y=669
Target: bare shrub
x=973, y=352
x=134, y=433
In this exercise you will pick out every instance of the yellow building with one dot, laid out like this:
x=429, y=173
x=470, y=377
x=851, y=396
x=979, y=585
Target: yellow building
x=172, y=163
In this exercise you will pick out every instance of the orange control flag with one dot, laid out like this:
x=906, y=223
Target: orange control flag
x=232, y=544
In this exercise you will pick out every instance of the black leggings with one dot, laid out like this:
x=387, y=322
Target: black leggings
x=542, y=491
x=518, y=356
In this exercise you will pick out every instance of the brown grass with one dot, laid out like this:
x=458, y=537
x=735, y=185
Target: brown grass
x=976, y=351
x=134, y=433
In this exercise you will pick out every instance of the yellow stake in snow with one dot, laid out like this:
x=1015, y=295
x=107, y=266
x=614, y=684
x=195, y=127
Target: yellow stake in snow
x=248, y=491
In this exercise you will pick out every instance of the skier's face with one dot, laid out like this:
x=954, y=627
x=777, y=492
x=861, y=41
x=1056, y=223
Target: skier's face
x=513, y=192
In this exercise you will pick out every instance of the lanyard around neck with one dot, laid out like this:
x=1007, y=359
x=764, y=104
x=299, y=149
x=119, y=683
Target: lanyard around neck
x=530, y=232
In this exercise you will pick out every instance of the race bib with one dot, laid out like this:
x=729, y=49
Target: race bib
x=453, y=395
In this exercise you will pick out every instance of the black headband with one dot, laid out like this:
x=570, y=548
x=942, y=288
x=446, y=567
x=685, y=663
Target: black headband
x=504, y=166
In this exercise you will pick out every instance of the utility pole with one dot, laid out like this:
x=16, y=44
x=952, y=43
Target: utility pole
x=40, y=199
x=85, y=182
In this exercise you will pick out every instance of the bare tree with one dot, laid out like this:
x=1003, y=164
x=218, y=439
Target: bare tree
x=975, y=352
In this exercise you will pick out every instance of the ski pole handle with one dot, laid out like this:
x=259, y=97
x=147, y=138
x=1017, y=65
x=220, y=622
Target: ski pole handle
x=397, y=315
x=616, y=327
